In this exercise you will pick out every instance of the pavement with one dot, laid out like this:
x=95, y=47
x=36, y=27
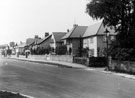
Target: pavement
x=73, y=65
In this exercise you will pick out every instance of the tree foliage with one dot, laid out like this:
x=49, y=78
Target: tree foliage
x=12, y=44
x=118, y=14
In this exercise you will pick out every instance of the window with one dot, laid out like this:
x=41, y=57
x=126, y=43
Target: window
x=85, y=42
x=91, y=40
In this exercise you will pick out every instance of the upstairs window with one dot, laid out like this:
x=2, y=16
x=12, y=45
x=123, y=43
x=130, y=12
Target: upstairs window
x=91, y=40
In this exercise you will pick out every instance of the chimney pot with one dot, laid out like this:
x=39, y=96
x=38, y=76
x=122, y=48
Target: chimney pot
x=46, y=34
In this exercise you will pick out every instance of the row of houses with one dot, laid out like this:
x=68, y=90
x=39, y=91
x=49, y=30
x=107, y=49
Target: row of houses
x=90, y=37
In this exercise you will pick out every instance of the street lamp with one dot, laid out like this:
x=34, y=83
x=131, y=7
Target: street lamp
x=107, y=33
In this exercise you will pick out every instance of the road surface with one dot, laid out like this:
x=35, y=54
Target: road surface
x=48, y=81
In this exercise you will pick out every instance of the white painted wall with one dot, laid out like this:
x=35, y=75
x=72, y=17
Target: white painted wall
x=91, y=43
x=53, y=44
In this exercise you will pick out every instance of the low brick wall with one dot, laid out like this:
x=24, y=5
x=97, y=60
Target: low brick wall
x=122, y=66
x=37, y=57
x=63, y=58
x=81, y=60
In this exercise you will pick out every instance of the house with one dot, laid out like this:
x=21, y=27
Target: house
x=37, y=43
x=44, y=43
x=56, y=39
x=21, y=48
x=31, y=42
x=94, y=38
x=73, y=39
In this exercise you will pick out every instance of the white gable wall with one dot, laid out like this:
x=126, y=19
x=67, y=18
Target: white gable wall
x=54, y=43
x=91, y=43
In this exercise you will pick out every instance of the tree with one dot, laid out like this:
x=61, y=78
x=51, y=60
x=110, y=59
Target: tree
x=118, y=14
x=12, y=44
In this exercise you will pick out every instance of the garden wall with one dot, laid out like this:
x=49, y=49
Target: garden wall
x=62, y=58
x=122, y=66
x=81, y=60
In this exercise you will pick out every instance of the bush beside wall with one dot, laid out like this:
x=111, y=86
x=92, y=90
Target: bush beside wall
x=91, y=62
x=97, y=62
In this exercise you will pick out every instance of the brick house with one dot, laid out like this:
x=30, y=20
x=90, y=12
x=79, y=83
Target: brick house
x=73, y=39
x=34, y=43
x=31, y=43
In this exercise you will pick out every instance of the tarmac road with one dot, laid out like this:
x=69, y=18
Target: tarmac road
x=48, y=81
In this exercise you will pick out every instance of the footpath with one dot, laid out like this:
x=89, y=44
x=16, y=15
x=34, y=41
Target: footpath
x=71, y=65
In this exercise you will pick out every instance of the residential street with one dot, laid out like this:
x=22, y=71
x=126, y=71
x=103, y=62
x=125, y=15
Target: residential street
x=48, y=81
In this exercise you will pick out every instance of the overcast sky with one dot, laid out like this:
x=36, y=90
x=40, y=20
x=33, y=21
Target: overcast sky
x=22, y=19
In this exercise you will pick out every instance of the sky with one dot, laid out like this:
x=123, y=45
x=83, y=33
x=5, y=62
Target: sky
x=22, y=19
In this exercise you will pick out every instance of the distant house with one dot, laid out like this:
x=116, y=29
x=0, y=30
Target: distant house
x=44, y=43
x=94, y=38
x=73, y=39
x=21, y=48
x=56, y=39
x=31, y=43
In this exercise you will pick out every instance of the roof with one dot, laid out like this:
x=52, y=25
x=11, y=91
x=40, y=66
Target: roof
x=58, y=35
x=43, y=40
x=76, y=32
x=98, y=29
x=30, y=41
x=102, y=29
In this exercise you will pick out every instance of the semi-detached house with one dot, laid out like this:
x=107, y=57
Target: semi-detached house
x=91, y=37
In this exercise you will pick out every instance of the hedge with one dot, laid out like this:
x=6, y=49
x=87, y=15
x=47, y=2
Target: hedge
x=97, y=62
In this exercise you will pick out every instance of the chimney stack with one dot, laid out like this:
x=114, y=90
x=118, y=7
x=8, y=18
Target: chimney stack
x=67, y=30
x=75, y=25
x=36, y=36
x=46, y=34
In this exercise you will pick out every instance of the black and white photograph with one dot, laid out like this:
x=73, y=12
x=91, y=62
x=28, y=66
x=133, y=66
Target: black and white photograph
x=67, y=48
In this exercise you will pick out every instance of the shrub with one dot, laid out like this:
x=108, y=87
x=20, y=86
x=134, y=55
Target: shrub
x=41, y=51
x=85, y=52
x=61, y=50
x=97, y=62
